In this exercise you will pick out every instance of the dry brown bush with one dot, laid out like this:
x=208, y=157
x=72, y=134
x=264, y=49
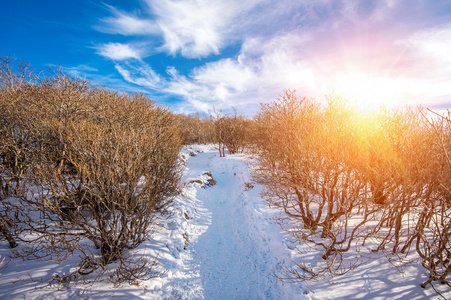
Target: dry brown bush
x=307, y=154
x=195, y=129
x=342, y=177
x=432, y=237
x=103, y=167
x=412, y=174
x=16, y=138
x=232, y=132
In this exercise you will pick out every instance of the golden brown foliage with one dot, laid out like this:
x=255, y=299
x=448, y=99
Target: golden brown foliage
x=195, y=129
x=342, y=177
x=232, y=132
x=101, y=166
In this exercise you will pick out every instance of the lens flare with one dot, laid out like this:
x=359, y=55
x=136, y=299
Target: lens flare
x=370, y=91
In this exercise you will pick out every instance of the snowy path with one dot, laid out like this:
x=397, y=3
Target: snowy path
x=231, y=237
x=232, y=253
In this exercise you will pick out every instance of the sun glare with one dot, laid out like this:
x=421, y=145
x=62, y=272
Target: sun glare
x=367, y=92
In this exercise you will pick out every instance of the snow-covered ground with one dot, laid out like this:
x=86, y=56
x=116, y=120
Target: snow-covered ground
x=220, y=243
x=233, y=245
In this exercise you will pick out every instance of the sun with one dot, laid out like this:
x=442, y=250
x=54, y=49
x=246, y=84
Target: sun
x=368, y=91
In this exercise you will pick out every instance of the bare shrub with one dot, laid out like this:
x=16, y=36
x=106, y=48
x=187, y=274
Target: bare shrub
x=17, y=138
x=342, y=177
x=412, y=174
x=433, y=229
x=16, y=129
x=231, y=132
x=106, y=167
x=400, y=161
x=195, y=129
x=307, y=157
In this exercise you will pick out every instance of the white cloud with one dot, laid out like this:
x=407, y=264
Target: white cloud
x=329, y=46
x=80, y=70
x=118, y=52
x=192, y=28
x=428, y=63
x=141, y=74
x=265, y=67
x=262, y=70
x=126, y=24
x=259, y=73
x=432, y=44
x=227, y=72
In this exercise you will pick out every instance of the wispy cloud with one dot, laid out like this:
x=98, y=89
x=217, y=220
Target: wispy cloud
x=258, y=74
x=429, y=63
x=316, y=47
x=80, y=70
x=118, y=52
x=433, y=44
x=126, y=24
x=192, y=28
x=140, y=74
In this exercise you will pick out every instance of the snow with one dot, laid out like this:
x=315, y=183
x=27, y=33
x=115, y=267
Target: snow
x=220, y=243
x=233, y=246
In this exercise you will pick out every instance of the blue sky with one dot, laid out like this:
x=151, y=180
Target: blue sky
x=196, y=55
